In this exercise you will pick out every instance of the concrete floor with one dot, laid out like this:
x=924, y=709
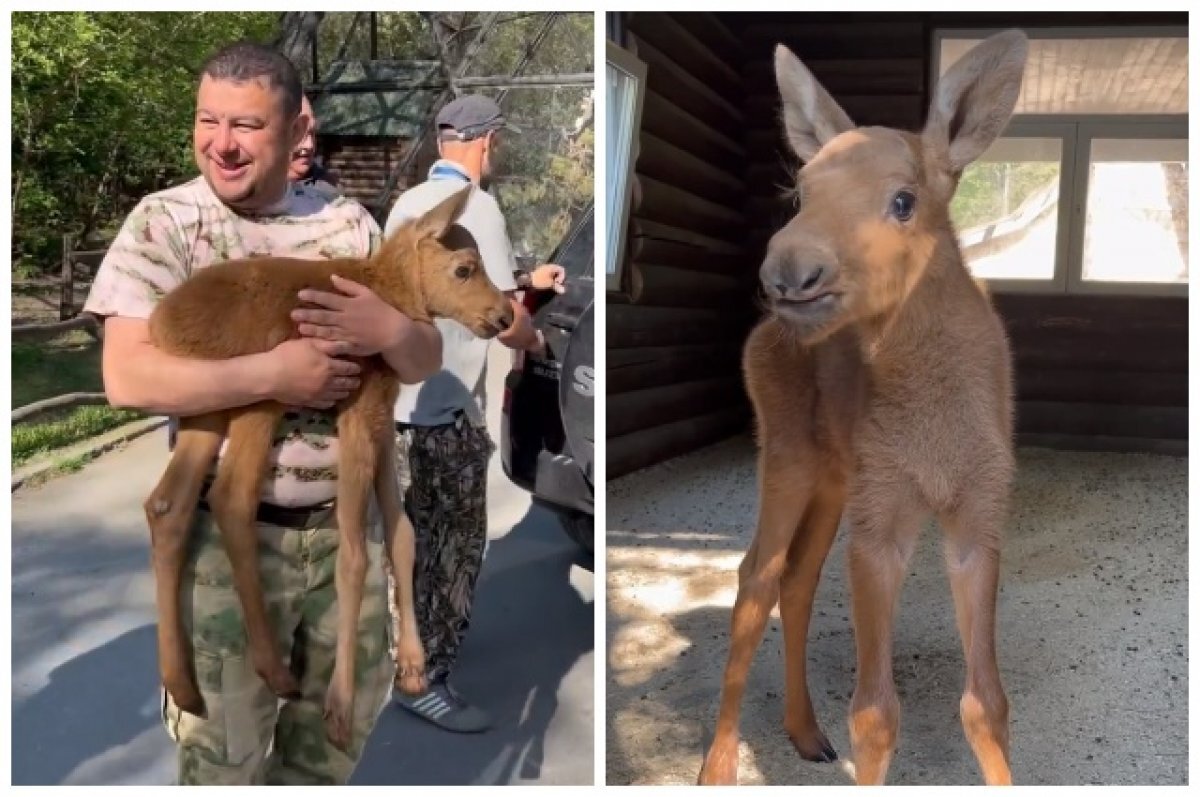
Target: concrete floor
x=1092, y=629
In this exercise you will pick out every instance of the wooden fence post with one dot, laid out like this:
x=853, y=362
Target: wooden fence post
x=66, y=299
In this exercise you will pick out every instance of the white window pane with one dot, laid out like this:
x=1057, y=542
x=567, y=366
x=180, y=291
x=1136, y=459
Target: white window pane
x=1126, y=75
x=1137, y=205
x=622, y=102
x=1006, y=209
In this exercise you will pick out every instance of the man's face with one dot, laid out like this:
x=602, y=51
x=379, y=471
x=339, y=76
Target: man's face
x=302, y=157
x=493, y=155
x=243, y=141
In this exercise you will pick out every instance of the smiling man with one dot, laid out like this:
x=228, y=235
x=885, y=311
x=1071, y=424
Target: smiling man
x=248, y=123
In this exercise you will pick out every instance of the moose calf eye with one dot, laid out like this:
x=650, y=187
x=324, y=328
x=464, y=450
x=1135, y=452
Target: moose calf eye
x=903, y=205
x=462, y=272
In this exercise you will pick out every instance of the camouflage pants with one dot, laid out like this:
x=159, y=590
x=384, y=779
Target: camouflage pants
x=443, y=473
x=250, y=737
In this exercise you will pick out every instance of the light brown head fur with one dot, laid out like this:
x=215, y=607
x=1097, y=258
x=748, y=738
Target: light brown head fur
x=874, y=201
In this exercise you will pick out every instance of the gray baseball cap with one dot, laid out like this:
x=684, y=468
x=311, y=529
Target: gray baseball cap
x=471, y=116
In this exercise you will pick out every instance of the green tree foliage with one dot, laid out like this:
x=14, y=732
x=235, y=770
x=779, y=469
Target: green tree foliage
x=990, y=191
x=102, y=107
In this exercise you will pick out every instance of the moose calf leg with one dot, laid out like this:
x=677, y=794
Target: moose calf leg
x=234, y=500
x=783, y=499
x=356, y=468
x=973, y=562
x=801, y=574
x=400, y=541
x=169, y=512
x=877, y=561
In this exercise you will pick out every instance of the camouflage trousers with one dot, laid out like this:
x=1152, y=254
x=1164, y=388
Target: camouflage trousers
x=250, y=737
x=443, y=475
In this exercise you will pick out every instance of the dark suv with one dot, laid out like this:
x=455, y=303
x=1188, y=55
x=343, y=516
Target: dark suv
x=546, y=436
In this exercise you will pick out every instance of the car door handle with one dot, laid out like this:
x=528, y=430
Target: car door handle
x=561, y=321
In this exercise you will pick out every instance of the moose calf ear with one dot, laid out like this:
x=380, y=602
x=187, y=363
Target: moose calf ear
x=442, y=216
x=976, y=97
x=810, y=116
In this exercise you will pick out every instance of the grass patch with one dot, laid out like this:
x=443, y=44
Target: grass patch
x=68, y=364
x=30, y=439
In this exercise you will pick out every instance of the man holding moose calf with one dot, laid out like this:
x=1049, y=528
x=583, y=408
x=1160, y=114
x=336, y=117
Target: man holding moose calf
x=248, y=123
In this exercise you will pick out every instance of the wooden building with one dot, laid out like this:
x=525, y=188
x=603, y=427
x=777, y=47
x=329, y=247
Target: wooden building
x=1094, y=369
x=364, y=135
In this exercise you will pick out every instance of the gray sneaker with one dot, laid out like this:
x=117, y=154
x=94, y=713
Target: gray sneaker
x=445, y=708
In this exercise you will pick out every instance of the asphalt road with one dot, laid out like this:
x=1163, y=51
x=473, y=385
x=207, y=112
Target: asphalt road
x=85, y=688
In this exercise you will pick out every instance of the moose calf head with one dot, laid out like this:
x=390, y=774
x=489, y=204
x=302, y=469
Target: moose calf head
x=874, y=201
x=450, y=276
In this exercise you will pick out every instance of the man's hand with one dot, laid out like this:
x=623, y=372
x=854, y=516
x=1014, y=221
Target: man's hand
x=521, y=334
x=549, y=276
x=356, y=317
x=308, y=373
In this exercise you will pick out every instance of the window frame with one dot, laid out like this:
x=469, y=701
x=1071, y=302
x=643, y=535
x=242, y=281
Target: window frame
x=1076, y=132
x=618, y=226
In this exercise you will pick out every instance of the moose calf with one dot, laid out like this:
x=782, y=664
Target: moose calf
x=882, y=389
x=243, y=307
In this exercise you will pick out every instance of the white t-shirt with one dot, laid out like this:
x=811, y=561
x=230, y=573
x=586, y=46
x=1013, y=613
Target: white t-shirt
x=460, y=385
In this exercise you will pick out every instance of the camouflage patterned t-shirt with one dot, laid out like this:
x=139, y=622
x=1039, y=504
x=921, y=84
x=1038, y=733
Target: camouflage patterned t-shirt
x=172, y=233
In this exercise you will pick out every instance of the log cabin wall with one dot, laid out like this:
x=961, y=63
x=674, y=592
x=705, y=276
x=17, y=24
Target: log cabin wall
x=675, y=331
x=1091, y=371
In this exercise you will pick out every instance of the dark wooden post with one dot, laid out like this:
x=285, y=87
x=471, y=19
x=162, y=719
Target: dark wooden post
x=66, y=297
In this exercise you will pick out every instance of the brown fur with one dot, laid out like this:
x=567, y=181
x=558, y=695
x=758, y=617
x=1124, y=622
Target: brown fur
x=243, y=307
x=882, y=390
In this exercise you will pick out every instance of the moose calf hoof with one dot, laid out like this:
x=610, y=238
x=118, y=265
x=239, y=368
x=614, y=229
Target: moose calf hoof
x=410, y=670
x=720, y=767
x=279, y=679
x=188, y=699
x=339, y=711
x=811, y=743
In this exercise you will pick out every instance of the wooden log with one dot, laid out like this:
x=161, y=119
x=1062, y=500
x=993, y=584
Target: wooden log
x=638, y=369
x=868, y=36
x=66, y=288
x=637, y=410
x=670, y=205
x=633, y=325
x=69, y=400
x=904, y=111
x=845, y=75
x=641, y=449
x=1076, y=418
x=652, y=230
x=715, y=34
x=1150, y=388
x=665, y=33
x=666, y=246
x=35, y=332
x=665, y=119
x=667, y=78
x=664, y=286
x=667, y=163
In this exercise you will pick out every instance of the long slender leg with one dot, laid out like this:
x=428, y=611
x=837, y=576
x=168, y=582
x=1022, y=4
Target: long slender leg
x=805, y=558
x=973, y=560
x=784, y=489
x=356, y=476
x=234, y=500
x=400, y=545
x=169, y=512
x=881, y=543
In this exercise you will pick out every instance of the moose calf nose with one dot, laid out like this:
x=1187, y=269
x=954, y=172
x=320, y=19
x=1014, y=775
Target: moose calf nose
x=812, y=279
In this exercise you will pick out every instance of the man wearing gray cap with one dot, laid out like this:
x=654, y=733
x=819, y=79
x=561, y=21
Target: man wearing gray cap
x=442, y=442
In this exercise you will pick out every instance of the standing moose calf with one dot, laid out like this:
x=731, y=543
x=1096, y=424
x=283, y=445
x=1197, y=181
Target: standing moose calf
x=882, y=389
x=243, y=307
